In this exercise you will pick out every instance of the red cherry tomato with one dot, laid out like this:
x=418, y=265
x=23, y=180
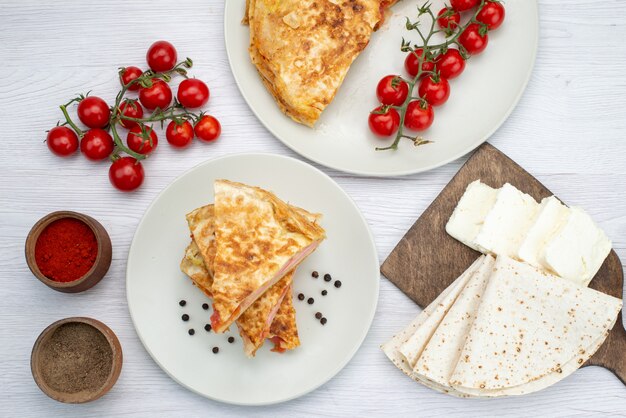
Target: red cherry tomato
x=158, y=95
x=126, y=174
x=462, y=5
x=140, y=144
x=474, y=39
x=192, y=93
x=450, y=64
x=448, y=18
x=208, y=128
x=96, y=144
x=411, y=62
x=179, y=135
x=435, y=90
x=384, y=124
x=492, y=14
x=161, y=56
x=419, y=116
x=62, y=141
x=94, y=112
x=390, y=94
x=129, y=74
x=131, y=109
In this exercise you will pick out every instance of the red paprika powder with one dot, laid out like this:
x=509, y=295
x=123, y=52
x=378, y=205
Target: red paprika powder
x=65, y=250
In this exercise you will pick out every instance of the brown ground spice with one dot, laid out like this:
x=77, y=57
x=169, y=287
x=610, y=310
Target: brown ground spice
x=77, y=357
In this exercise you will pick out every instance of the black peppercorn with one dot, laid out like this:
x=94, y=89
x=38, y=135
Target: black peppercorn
x=182, y=302
x=207, y=327
x=300, y=296
x=337, y=284
x=185, y=317
x=327, y=277
x=318, y=315
x=315, y=274
x=216, y=350
x=324, y=292
x=323, y=321
x=191, y=331
x=205, y=306
x=231, y=339
x=310, y=301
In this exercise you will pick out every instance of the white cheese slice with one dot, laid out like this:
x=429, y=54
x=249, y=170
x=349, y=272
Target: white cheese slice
x=551, y=218
x=578, y=250
x=470, y=212
x=508, y=222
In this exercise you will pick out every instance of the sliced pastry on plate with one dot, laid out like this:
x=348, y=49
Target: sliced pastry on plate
x=303, y=49
x=259, y=239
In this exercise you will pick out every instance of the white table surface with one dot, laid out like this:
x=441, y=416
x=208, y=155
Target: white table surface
x=568, y=130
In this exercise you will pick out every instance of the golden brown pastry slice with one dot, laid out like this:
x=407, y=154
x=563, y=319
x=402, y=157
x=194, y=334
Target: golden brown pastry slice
x=303, y=49
x=259, y=240
x=284, y=331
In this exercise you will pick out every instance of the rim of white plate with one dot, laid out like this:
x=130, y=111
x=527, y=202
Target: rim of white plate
x=370, y=319
x=398, y=173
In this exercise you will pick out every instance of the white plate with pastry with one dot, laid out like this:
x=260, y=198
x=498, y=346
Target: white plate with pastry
x=481, y=99
x=280, y=280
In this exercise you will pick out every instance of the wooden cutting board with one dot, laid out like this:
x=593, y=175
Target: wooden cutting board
x=427, y=259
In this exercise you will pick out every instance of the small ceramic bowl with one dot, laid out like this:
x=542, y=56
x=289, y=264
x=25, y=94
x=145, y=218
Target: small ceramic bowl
x=97, y=271
x=83, y=396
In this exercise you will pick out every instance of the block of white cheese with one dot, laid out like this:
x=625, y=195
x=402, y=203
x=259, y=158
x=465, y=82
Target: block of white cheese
x=578, y=250
x=470, y=213
x=507, y=223
x=552, y=217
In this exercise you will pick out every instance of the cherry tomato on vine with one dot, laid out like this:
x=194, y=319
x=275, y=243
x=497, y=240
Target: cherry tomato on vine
x=179, y=135
x=474, y=38
x=94, y=112
x=96, y=144
x=161, y=56
x=62, y=141
x=419, y=116
x=392, y=90
x=450, y=64
x=193, y=93
x=140, y=144
x=384, y=121
x=208, y=128
x=129, y=74
x=158, y=95
x=462, y=5
x=448, y=18
x=435, y=90
x=131, y=109
x=492, y=14
x=411, y=63
x=126, y=174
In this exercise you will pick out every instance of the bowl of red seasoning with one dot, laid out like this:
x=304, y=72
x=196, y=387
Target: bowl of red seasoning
x=68, y=251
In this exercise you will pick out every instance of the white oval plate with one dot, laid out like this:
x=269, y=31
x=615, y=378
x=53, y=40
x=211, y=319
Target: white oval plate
x=155, y=285
x=481, y=98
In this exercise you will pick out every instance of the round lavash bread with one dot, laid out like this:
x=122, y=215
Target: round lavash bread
x=412, y=348
x=440, y=356
x=437, y=309
x=530, y=324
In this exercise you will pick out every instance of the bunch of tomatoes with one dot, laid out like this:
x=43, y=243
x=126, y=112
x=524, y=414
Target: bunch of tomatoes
x=431, y=67
x=102, y=140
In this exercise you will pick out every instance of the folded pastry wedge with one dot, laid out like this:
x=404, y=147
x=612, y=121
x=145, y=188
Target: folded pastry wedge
x=303, y=49
x=259, y=239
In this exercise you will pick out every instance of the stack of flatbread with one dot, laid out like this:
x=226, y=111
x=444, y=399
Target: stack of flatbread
x=243, y=254
x=303, y=49
x=503, y=328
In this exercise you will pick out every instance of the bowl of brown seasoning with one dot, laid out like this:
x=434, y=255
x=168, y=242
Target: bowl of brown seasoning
x=76, y=360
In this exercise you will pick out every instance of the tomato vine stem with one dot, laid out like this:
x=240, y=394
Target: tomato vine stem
x=429, y=53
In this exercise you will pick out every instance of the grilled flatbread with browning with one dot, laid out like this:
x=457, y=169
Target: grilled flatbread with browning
x=259, y=240
x=254, y=323
x=304, y=48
